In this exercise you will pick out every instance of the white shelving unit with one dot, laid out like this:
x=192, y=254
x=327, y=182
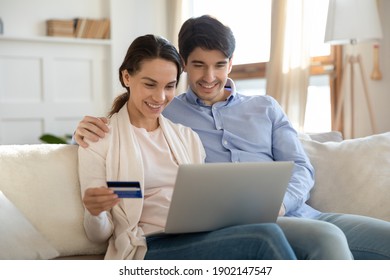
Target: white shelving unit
x=56, y=40
x=47, y=84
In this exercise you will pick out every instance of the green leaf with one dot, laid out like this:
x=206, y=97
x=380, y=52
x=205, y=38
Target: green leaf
x=52, y=139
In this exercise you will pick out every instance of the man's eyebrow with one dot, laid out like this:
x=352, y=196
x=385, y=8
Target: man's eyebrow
x=201, y=62
x=197, y=61
x=222, y=62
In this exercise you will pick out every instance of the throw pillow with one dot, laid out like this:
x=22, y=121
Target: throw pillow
x=19, y=239
x=352, y=176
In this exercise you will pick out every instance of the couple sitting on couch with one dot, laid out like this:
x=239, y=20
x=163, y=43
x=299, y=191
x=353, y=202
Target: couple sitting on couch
x=139, y=143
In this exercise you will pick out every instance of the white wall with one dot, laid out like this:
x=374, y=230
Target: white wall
x=379, y=91
x=27, y=17
x=130, y=19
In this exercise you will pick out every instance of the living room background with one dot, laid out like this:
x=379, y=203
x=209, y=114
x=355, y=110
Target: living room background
x=129, y=19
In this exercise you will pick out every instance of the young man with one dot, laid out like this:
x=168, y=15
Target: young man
x=235, y=127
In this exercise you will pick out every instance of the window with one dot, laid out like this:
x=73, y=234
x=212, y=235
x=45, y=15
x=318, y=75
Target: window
x=245, y=18
x=249, y=17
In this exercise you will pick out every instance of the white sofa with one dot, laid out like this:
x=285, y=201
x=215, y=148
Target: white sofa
x=41, y=212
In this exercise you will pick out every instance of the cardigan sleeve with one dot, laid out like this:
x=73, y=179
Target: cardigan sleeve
x=98, y=228
x=92, y=174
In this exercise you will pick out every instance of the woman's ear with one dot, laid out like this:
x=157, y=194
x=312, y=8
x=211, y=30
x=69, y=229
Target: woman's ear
x=125, y=76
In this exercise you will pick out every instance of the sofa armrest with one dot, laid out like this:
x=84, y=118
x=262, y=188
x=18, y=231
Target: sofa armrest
x=42, y=181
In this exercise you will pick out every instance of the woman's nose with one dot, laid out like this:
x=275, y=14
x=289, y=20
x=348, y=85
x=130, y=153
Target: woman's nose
x=159, y=95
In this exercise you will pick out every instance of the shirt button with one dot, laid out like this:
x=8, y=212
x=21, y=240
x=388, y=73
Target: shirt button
x=225, y=142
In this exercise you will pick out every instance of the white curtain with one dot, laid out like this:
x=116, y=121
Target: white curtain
x=174, y=19
x=289, y=65
x=177, y=13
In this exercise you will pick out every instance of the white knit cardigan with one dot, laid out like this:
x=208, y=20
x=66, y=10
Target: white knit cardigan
x=117, y=157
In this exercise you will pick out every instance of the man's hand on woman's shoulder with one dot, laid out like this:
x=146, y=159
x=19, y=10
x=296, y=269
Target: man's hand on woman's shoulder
x=91, y=128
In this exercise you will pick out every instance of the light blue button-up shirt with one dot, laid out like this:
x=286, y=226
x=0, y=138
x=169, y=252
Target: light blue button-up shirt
x=246, y=129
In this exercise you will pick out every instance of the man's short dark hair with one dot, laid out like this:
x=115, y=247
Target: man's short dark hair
x=207, y=33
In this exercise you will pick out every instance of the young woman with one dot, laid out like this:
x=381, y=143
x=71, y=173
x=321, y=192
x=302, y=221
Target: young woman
x=141, y=145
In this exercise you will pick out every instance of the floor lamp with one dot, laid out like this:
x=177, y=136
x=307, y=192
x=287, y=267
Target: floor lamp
x=351, y=22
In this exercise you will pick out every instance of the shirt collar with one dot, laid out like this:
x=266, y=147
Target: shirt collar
x=193, y=98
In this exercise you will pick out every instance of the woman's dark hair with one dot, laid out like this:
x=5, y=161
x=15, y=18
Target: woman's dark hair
x=143, y=48
x=207, y=33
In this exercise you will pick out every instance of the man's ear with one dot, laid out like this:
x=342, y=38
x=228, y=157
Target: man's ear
x=230, y=66
x=184, y=64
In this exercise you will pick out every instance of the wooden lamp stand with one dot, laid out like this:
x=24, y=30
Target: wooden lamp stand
x=351, y=61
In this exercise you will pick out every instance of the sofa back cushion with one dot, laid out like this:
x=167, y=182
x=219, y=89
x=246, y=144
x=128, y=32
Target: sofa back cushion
x=351, y=176
x=41, y=180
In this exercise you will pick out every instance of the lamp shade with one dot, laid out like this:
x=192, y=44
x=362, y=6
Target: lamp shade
x=352, y=21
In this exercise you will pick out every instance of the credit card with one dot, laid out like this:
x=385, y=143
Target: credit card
x=126, y=189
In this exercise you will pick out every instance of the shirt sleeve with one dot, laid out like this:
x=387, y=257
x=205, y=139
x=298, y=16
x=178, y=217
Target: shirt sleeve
x=73, y=140
x=286, y=146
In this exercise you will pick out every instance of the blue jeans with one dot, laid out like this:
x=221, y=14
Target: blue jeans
x=337, y=237
x=368, y=238
x=255, y=242
x=315, y=240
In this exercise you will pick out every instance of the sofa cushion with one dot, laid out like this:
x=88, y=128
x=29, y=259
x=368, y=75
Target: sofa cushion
x=42, y=182
x=331, y=136
x=352, y=176
x=18, y=238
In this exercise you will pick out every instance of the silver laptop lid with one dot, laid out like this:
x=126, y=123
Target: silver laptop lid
x=216, y=195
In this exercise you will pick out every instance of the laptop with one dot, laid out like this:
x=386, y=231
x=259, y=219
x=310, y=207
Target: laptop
x=211, y=196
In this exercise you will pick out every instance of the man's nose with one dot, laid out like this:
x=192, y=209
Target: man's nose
x=209, y=75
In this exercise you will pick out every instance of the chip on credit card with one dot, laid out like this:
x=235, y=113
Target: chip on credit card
x=125, y=189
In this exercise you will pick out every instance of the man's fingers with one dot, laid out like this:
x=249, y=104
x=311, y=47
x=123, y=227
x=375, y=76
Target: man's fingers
x=90, y=128
x=105, y=120
x=95, y=124
x=79, y=140
x=91, y=131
